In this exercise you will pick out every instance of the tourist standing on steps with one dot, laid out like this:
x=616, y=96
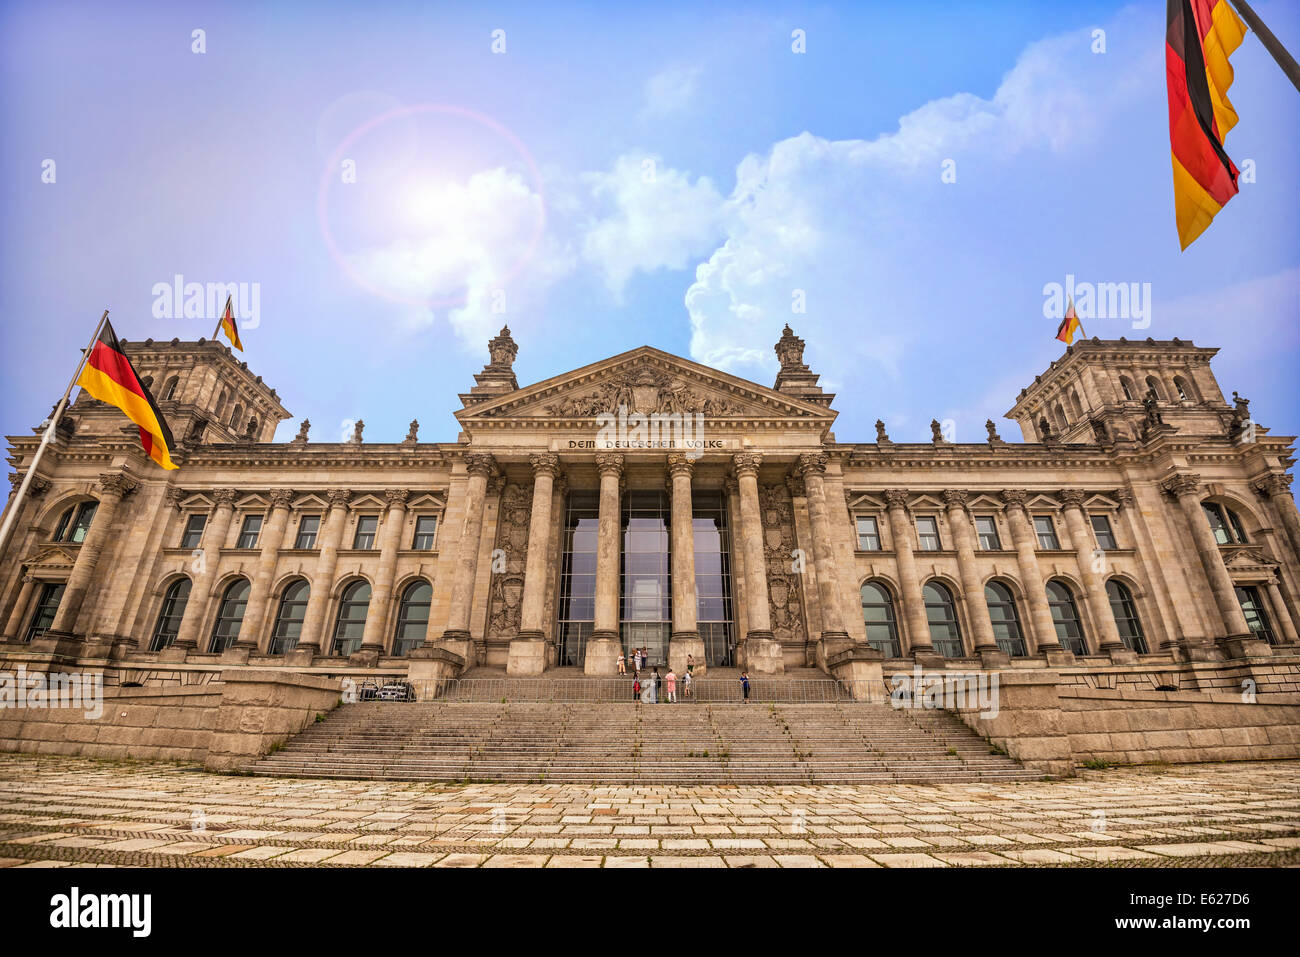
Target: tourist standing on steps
x=636, y=689
x=654, y=686
x=686, y=684
x=744, y=685
x=622, y=664
x=670, y=685
x=690, y=663
x=639, y=662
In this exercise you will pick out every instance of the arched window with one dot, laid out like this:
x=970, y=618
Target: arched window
x=1253, y=609
x=941, y=613
x=878, y=613
x=169, y=390
x=235, y=415
x=169, y=618
x=74, y=524
x=221, y=405
x=1225, y=524
x=1185, y=390
x=1061, y=420
x=1154, y=385
x=1126, y=616
x=289, y=618
x=351, y=622
x=412, y=617
x=230, y=615
x=1075, y=405
x=1006, y=622
x=1126, y=384
x=1065, y=616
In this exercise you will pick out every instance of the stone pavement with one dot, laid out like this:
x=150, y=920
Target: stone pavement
x=57, y=812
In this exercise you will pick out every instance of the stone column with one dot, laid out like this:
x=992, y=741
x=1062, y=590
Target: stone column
x=1094, y=580
x=372, y=637
x=604, y=644
x=214, y=539
x=1187, y=489
x=113, y=487
x=1285, y=624
x=959, y=523
x=1276, y=487
x=479, y=468
x=314, y=625
x=251, y=634
x=14, y=627
x=834, y=636
x=1043, y=638
x=739, y=597
x=762, y=651
x=916, y=641
x=685, y=639
x=528, y=648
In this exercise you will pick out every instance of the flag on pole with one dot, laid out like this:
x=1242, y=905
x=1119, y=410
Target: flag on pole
x=1201, y=35
x=109, y=376
x=228, y=324
x=1069, y=325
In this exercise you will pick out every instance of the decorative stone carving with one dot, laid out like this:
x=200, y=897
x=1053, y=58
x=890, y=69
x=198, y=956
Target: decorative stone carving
x=301, y=437
x=1124, y=496
x=338, y=497
x=1100, y=432
x=609, y=462
x=747, y=462
x=811, y=462
x=281, y=497
x=785, y=590
x=881, y=436
x=480, y=463
x=895, y=497
x=505, y=595
x=225, y=496
x=1014, y=497
x=412, y=433
x=397, y=496
x=174, y=496
x=936, y=432
x=678, y=463
x=994, y=438
x=1186, y=483
x=645, y=391
x=503, y=350
x=356, y=432
x=1073, y=497
x=1275, y=483
x=789, y=351
x=1045, y=434
x=545, y=462
x=955, y=496
x=794, y=482
x=120, y=485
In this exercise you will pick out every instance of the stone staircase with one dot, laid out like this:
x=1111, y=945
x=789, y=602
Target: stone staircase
x=698, y=742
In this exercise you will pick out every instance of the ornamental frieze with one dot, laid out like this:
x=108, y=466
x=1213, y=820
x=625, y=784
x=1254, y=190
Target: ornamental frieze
x=784, y=590
x=507, y=590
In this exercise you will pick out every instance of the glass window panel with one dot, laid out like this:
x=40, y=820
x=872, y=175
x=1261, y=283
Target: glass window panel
x=308, y=527
x=193, y=533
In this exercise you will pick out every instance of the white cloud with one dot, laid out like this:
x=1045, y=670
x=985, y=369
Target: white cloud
x=670, y=90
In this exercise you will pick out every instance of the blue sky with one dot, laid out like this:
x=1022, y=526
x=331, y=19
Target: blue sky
x=664, y=174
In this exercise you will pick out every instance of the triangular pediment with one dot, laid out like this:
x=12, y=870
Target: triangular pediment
x=49, y=556
x=646, y=381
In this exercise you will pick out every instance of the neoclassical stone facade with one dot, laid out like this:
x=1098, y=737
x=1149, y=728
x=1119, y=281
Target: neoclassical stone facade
x=648, y=501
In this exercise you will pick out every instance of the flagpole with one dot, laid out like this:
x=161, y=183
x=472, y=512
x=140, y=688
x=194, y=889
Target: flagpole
x=216, y=333
x=1271, y=43
x=16, y=505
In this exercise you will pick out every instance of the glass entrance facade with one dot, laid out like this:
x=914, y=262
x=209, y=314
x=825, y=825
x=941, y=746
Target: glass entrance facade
x=645, y=576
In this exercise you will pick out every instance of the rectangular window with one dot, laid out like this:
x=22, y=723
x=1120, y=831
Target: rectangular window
x=426, y=527
x=194, y=526
x=308, y=526
x=249, y=533
x=1105, y=537
x=1046, y=533
x=988, y=533
x=927, y=533
x=367, y=525
x=51, y=595
x=868, y=534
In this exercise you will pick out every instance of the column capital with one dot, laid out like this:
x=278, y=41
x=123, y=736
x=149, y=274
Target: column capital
x=281, y=497
x=679, y=464
x=895, y=497
x=1014, y=497
x=480, y=463
x=607, y=462
x=338, y=497
x=1072, y=497
x=174, y=496
x=118, y=485
x=1125, y=496
x=955, y=497
x=545, y=463
x=225, y=497
x=396, y=496
x=496, y=484
x=1185, y=483
x=747, y=463
x=811, y=463
x=1275, y=483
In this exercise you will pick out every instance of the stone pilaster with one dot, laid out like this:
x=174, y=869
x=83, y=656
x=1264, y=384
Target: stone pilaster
x=916, y=639
x=1276, y=487
x=1042, y=628
x=685, y=639
x=14, y=626
x=1186, y=488
x=604, y=644
x=381, y=593
x=762, y=653
x=834, y=636
x=322, y=583
x=959, y=523
x=479, y=468
x=214, y=539
x=1094, y=582
x=528, y=648
x=251, y=634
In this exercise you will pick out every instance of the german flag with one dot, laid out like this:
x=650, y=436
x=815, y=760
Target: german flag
x=109, y=376
x=1202, y=34
x=1069, y=325
x=228, y=323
